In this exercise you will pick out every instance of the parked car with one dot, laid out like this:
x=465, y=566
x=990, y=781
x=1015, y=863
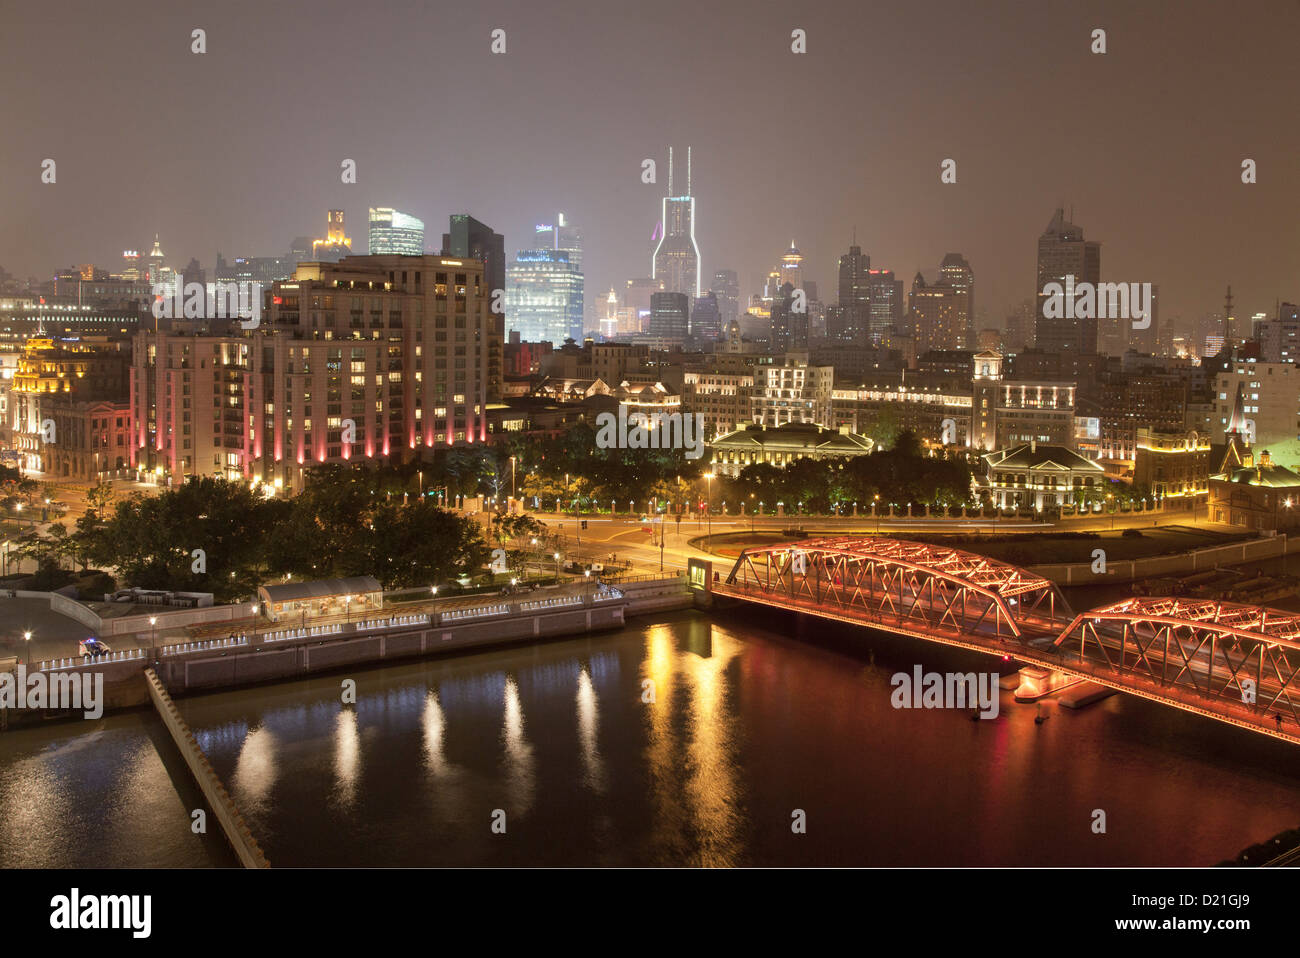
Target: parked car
x=596, y=567
x=93, y=648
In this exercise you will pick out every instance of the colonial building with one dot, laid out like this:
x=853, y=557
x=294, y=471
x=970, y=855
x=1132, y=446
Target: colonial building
x=1254, y=493
x=1172, y=463
x=781, y=445
x=1041, y=477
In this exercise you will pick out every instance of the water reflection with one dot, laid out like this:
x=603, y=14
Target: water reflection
x=520, y=764
x=588, y=722
x=347, y=757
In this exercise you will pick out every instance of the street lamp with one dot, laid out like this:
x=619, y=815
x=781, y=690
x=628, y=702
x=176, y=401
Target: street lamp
x=27, y=636
x=347, y=605
x=708, y=498
x=876, y=510
x=557, y=568
x=153, y=631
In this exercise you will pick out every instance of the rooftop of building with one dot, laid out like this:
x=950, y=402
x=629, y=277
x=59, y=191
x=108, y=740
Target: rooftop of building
x=1041, y=456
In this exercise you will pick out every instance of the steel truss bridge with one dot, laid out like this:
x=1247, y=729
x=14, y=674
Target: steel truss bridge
x=1234, y=663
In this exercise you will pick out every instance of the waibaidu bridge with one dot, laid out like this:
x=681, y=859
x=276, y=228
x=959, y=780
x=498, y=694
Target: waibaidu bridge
x=1234, y=663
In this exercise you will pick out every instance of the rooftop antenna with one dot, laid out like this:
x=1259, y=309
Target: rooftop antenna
x=688, y=171
x=670, y=171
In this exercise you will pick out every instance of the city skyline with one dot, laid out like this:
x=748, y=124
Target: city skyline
x=882, y=181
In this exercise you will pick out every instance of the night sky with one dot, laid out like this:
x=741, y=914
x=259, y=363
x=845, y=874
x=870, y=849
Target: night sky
x=239, y=149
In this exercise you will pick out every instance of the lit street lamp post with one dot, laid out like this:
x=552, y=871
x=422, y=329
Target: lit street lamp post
x=153, y=631
x=27, y=637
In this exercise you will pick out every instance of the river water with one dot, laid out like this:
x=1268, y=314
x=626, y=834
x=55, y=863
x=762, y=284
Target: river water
x=555, y=755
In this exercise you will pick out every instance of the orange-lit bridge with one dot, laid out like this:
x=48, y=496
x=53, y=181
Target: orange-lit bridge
x=1234, y=663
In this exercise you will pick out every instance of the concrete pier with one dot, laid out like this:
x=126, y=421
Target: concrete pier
x=219, y=800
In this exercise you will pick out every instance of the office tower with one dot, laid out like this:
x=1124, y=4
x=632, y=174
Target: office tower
x=1062, y=252
x=706, y=319
x=336, y=243
x=544, y=296
x=669, y=316
x=789, y=326
x=955, y=272
x=676, y=259
x=468, y=237
x=727, y=286
x=395, y=232
x=853, y=313
x=886, y=304
x=937, y=315
x=1019, y=333
x=156, y=261
x=791, y=268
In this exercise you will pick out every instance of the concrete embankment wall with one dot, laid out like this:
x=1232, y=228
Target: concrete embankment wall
x=656, y=595
x=1127, y=570
x=208, y=665
x=223, y=806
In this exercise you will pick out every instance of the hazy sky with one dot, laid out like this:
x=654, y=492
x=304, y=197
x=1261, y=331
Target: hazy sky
x=239, y=149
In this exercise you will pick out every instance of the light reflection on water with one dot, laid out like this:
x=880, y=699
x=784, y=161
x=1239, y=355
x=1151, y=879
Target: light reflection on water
x=689, y=741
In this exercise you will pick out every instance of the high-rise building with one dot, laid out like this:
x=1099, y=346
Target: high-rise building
x=789, y=325
x=395, y=232
x=955, y=272
x=937, y=314
x=336, y=243
x=1062, y=252
x=374, y=356
x=669, y=316
x=853, y=315
x=791, y=268
x=470, y=238
x=676, y=259
x=886, y=304
x=1019, y=333
x=544, y=296
x=706, y=319
x=726, y=284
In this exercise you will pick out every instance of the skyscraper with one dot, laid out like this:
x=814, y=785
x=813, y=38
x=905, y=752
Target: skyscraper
x=468, y=237
x=706, y=318
x=886, y=303
x=336, y=243
x=669, y=316
x=854, y=312
x=937, y=313
x=1062, y=252
x=789, y=326
x=676, y=259
x=544, y=296
x=726, y=284
x=955, y=272
x=395, y=232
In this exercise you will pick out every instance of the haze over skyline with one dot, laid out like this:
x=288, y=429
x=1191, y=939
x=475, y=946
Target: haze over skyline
x=238, y=150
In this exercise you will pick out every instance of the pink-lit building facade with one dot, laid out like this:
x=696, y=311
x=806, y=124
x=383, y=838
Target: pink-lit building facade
x=371, y=357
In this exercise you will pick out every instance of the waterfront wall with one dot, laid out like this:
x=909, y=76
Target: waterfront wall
x=223, y=806
x=1128, y=570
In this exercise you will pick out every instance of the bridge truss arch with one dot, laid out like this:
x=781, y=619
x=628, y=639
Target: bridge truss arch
x=922, y=587
x=1241, y=658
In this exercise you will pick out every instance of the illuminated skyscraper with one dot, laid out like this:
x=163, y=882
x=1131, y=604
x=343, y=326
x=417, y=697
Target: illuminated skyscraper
x=544, y=296
x=395, y=232
x=676, y=258
x=336, y=243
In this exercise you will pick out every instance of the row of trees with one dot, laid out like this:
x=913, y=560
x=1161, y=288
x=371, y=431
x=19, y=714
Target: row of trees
x=214, y=535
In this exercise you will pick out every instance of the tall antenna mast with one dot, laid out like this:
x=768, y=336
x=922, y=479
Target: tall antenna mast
x=688, y=171
x=670, y=171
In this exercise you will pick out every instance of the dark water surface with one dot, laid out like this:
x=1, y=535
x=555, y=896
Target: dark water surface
x=754, y=715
